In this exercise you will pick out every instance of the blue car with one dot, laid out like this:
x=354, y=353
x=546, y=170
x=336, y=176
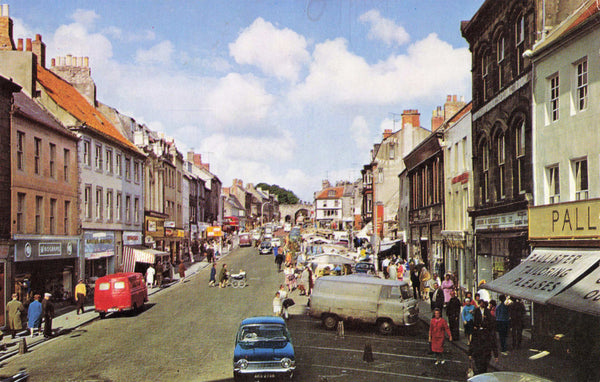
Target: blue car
x=263, y=349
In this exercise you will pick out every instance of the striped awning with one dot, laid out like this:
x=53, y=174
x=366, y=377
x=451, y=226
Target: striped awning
x=134, y=255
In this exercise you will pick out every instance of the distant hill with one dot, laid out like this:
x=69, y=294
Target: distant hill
x=284, y=196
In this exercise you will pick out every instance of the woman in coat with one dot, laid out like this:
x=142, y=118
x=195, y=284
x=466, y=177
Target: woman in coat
x=34, y=314
x=14, y=309
x=438, y=328
x=424, y=277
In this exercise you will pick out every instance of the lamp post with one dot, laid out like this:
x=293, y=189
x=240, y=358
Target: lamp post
x=262, y=208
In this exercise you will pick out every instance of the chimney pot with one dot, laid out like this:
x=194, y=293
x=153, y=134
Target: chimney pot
x=86, y=62
x=20, y=44
x=5, y=10
x=454, y=98
x=448, y=98
x=38, y=37
x=69, y=60
x=53, y=62
x=28, y=45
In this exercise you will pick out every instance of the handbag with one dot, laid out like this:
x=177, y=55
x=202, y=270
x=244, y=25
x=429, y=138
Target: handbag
x=288, y=302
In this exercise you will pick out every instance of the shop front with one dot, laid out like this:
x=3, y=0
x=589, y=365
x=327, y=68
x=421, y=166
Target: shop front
x=174, y=241
x=458, y=257
x=44, y=264
x=99, y=252
x=154, y=230
x=426, y=241
x=500, y=243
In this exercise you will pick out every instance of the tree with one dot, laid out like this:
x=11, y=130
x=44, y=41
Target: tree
x=283, y=196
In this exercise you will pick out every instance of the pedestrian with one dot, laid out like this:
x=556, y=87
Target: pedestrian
x=14, y=309
x=213, y=275
x=181, y=271
x=279, y=261
x=150, y=272
x=393, y=271
x=384, y=267
x=277, y=304
x=210, y=254
x=283, y=295
x=436, y=298
x=483, y=293
x=482, y=345
x=416, y=284
x=290, y=278
x=435, y=279
x=223, y=276
x=467, y=317
x=400, y=271
x=424, y=277
x=48, y=313
x=311, y=282
x=482, y=318
x=438, y=327
x=80, y=293
x=159, y=273
x=502, y=322
x=453, y=312
x=516, y=312
x=447, y=286
x=34, y=314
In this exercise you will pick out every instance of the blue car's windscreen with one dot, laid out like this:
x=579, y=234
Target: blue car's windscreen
x=266, y=332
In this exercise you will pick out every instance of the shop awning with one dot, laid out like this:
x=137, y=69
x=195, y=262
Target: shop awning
x=583, y=296
x=133, y=255
x=545, y=273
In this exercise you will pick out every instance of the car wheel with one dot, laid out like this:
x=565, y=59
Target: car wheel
x=385, y=327
x=102, y=315
x=330, y=322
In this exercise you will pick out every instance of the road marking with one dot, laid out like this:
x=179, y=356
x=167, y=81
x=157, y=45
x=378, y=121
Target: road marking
x=379, y=353
x=387, y=373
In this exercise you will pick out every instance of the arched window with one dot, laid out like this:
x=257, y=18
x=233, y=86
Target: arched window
x=484, y=154
x=520, y=154
x=485, y=63
x=520, y=42
x=500, y=60
x=501, y=161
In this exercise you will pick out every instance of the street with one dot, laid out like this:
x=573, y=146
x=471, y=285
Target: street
x=187, y=333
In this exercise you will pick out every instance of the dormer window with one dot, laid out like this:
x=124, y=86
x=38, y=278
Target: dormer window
x=331, y=193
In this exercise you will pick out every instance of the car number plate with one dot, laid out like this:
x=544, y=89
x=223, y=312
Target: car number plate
x=112, y=310
x=264, y=375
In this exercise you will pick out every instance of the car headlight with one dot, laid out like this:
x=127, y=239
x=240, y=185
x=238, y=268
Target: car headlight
x=242, y=363
x=286, y=363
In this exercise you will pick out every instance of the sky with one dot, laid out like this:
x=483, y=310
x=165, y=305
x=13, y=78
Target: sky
x=282, y=92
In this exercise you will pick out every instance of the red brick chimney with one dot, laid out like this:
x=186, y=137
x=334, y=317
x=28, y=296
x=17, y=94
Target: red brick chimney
x=411, y=117
x=6, y=29
x=39, y=49
x=387, y=133
x=437, y=118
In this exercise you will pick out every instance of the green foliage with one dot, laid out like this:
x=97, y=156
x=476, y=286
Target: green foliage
x=284, y=196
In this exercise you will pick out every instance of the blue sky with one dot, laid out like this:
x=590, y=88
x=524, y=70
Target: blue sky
x=282, y=92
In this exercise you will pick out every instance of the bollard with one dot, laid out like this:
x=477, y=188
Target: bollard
x=340, y=329
x=23, y=346
x=368, y=354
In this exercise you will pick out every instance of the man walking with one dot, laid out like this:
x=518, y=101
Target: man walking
x=14, y=309
x=80, y=293
x=516, y=312
x=437, y=298
x=223, y=277
x=502, y=322
x=453, y=312
x=48, y=313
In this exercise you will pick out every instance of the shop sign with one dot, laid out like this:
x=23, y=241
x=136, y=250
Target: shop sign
x=169, y=232
x=39, y=248
x=179, y=233
x=214, y=231
x=154, y=226
x=462, y=178
x=151, y=226
x=570, y=220
x=98, y=244
x=380, y=219
x=169, y=224
x=517, y=219
x=132, y=238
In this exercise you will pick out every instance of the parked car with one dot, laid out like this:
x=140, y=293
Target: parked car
x=245, y=240
x=507, y=376
x=386, y=303
x=263, y=349
x=120, y=292
x=364, y=267
x=265, y=248
x=276, y=242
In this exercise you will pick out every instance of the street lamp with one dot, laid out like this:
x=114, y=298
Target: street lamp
x=262, y=207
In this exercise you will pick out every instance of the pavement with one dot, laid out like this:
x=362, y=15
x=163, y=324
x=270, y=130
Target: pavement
x=542, y=362
x=67, y=319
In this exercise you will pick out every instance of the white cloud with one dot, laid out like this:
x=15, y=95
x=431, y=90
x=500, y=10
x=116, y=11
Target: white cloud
x=161, y=53
x=277, y=52
x=430, y=69
x=359, y=130
x=384, y=29
x=21, y=30
x=85, y=17
x=239, y=101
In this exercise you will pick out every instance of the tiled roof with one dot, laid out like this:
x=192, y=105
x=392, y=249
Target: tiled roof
x=67, y=97
x=324, y=194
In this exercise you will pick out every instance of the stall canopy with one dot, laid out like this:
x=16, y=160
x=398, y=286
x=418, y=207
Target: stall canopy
x=583, y=296
x=331, y=259
x=133, y=255
x=545, y=273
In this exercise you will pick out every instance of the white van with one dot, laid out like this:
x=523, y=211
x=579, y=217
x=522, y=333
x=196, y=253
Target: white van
x=386, y=303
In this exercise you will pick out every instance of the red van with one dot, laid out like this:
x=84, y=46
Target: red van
x=120, y=292
x=245, y=240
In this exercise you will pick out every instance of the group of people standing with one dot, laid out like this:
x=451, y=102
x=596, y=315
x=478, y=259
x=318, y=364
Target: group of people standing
x=36, y=311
